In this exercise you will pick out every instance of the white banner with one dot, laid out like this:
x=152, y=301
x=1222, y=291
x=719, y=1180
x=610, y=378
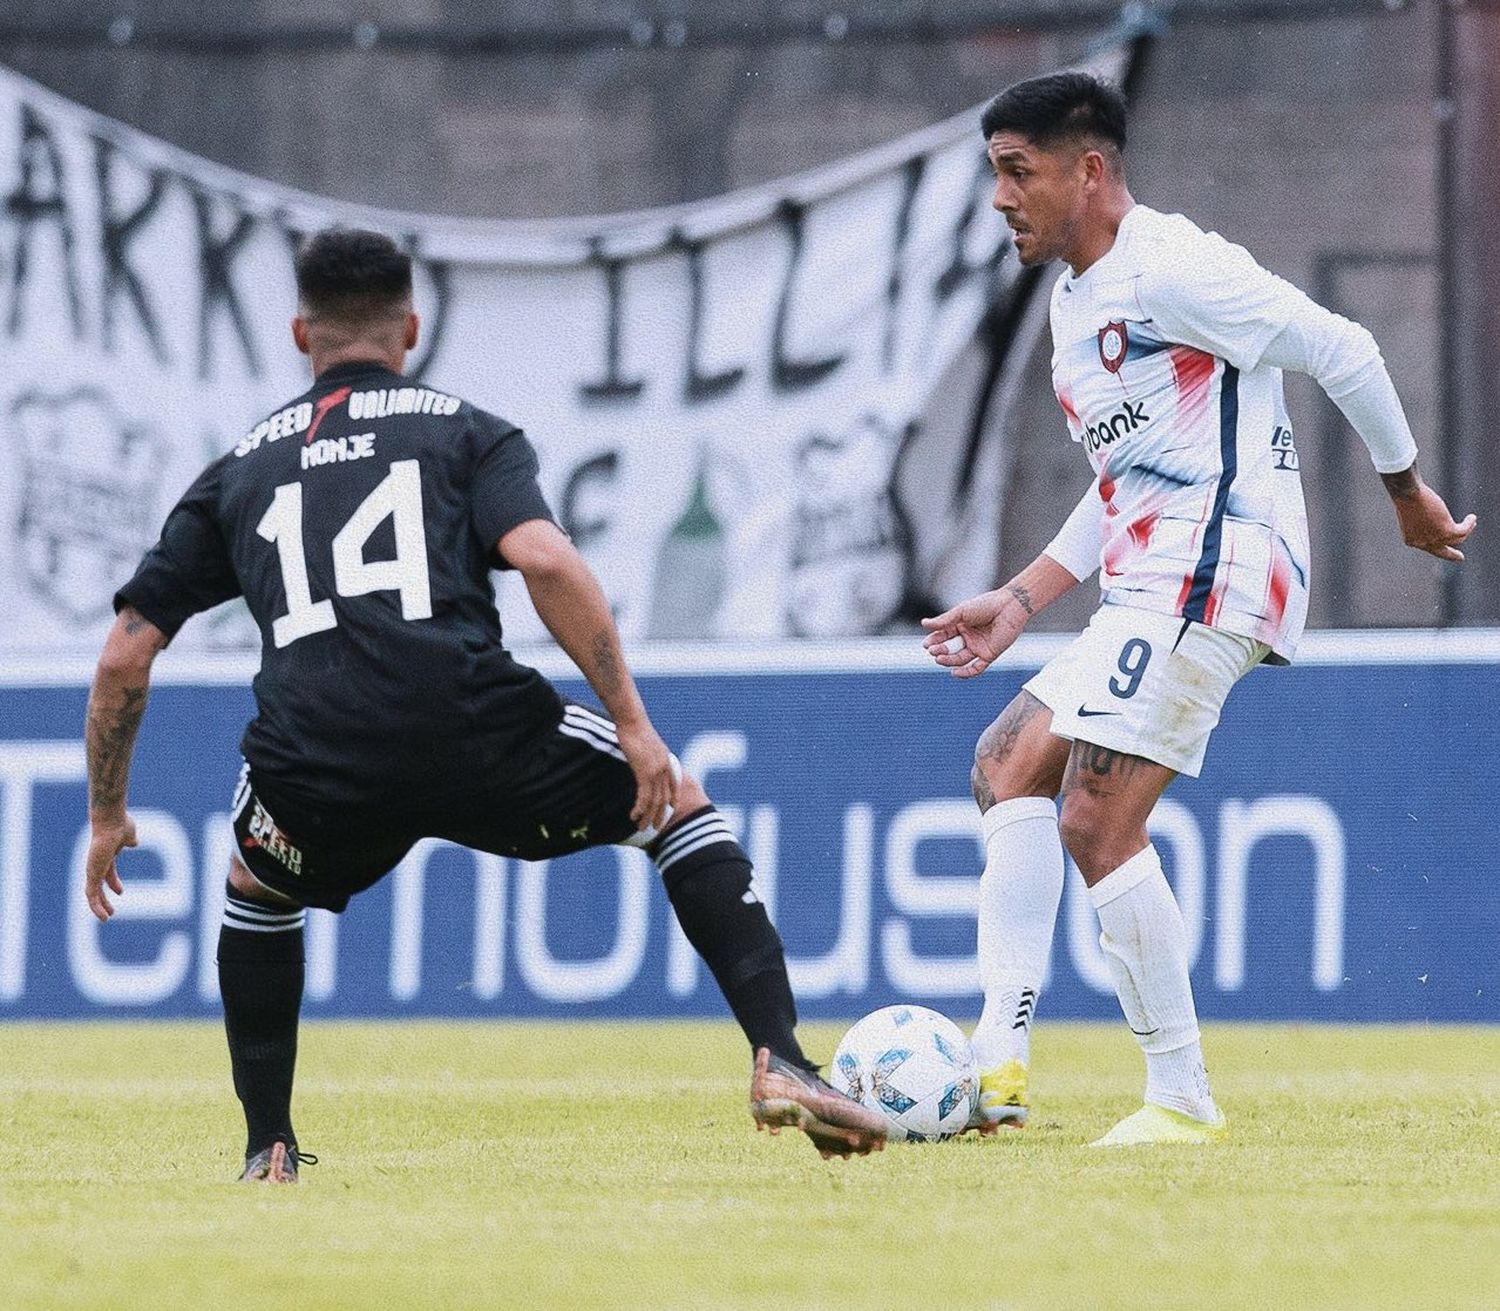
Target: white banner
x=722, y=393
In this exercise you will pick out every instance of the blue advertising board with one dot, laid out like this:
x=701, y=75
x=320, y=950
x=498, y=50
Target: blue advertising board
x=1334, y=862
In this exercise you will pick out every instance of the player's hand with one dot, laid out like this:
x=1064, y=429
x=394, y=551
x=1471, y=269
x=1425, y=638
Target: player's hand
x=107, y=840
x=655, y=782
x=971, y=636
x=1427, y=525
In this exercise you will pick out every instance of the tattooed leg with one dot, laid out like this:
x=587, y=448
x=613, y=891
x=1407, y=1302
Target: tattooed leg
x=1017, y=755
x=1107, y=796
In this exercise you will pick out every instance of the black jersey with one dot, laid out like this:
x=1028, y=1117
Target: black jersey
x=360, y=524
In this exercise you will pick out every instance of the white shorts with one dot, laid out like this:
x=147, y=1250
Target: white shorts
x=1147, y=684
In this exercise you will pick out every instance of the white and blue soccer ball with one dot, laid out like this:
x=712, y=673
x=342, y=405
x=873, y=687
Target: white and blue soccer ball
x=912, y=1065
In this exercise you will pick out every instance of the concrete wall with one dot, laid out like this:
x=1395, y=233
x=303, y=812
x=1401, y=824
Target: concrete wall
x=1312, y=141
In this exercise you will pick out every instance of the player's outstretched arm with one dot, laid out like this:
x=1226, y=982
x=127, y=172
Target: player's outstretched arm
x=971, y=636
x=1423, y=515
x=1345, y=361
x=116, y=702
x=569, y=600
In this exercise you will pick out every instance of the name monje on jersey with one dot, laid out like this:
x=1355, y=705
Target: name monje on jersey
x=335, y=450
x=379, y=403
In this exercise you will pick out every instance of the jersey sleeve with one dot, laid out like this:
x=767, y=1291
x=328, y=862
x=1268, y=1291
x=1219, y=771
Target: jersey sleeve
x=505, y=491
x=189, y=569
x=1211, y=294
x=1080, y=540
x=1345, y=361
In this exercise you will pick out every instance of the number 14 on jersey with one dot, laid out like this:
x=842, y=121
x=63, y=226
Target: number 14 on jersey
x=398, y=498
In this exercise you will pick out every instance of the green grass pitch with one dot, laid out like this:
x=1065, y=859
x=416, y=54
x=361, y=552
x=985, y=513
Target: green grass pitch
x=615, y=1165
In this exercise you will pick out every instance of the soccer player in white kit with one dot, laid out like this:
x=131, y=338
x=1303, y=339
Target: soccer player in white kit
x=1169, y=345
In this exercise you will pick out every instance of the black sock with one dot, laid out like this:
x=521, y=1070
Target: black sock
x=708, y=881
x=260, y=978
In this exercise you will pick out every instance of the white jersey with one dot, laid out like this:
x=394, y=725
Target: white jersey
x=1157, y=362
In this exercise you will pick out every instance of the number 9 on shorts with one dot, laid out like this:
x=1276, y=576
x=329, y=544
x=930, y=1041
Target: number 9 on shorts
x=1148, y=684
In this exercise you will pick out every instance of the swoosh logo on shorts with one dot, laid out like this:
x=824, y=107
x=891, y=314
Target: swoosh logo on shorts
x=1085, y=713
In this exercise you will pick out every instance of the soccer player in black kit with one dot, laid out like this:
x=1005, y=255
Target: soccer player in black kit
x=360, y=523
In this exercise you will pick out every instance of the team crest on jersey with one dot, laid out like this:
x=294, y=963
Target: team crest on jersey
x=1113, y=344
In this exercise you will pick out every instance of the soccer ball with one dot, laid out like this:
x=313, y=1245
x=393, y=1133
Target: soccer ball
x=912, y=1065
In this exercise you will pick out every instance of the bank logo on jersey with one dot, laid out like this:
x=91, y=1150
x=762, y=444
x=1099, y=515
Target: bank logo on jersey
x=1127, y=419
x=1113, y=344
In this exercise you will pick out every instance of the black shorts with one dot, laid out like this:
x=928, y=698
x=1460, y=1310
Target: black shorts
x=572, y=789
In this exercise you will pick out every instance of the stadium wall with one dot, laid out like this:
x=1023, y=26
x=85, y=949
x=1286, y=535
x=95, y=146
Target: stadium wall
x=1333, y=863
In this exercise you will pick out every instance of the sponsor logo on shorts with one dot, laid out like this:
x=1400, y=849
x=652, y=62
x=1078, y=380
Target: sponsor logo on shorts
x=270, y=839
x=1085, y=713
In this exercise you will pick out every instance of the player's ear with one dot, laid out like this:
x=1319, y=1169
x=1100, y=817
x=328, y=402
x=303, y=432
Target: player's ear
x=1095, y=167
x=413, y=329
x=299, y=332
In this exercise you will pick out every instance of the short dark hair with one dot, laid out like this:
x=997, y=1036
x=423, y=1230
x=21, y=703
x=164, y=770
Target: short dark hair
x=353, y=274
x=1050, y=109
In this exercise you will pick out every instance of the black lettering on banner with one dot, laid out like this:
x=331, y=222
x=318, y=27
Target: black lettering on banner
x=1002, y=325
x=291, y=231
x=437, y=320
x=216, y=255
x=788, y=374
x=116, y=231
x=911, y=180
x=597, y=471
x=959, y=268
x=434, y=323
x=40, y=197
x=294, y=234
x=613, y=386
x=700, y=386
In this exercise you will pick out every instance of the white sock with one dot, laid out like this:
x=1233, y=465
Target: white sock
x=1146, y=946
x=1018, y=896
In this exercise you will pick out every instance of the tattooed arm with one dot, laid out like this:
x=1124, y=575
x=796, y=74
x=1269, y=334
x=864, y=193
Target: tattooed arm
x=969, y=638
x=569, y=600
x=116, y=703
